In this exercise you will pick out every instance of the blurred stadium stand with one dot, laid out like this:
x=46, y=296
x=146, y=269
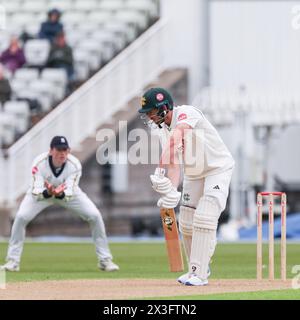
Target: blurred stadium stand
x=97, y=30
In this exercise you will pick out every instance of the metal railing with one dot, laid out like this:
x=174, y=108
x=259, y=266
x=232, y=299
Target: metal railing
x=79, y=116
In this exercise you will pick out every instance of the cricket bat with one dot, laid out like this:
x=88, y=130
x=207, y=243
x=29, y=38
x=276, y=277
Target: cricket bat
x=172, y=239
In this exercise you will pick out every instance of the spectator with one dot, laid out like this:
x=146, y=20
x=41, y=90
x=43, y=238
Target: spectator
x=52, y=27
x=5, y=89
x=13, y=57
x=61, y=55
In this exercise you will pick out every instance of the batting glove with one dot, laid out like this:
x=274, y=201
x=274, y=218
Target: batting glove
x=160, y=183
x=169, y=200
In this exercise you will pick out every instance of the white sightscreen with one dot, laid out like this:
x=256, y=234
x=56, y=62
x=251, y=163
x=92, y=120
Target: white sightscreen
x=255, y=43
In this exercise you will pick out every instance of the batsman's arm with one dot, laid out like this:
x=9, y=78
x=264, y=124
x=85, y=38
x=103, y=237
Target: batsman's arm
x=170, y=155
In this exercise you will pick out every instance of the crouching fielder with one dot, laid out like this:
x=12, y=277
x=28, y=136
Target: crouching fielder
x=54, y=180
x=190, y=139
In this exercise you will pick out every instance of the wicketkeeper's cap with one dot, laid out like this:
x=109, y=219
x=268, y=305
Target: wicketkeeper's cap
x=59, y=142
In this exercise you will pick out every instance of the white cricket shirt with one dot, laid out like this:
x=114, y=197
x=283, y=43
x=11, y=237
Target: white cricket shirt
x=42, y=171
x=202, y=142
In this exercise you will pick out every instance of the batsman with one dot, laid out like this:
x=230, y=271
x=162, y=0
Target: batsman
x=193, y=146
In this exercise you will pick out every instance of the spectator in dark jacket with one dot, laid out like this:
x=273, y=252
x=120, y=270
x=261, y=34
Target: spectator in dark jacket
x=61, y=55
x=13, y=58
x=51, y=27
x=5, y=89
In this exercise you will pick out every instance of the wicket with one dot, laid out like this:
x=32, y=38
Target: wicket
x=271, y=235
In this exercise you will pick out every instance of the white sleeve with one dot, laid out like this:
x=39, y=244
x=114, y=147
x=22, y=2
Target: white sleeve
x=37, y=182
x=189, y=116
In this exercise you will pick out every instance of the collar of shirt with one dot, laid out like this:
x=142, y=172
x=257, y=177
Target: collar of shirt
x=56, y=171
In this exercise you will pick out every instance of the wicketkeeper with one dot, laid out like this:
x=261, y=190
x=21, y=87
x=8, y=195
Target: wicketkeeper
x=54, y=180
x=189, y=138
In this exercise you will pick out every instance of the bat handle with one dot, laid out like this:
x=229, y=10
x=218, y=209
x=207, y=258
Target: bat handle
x=160, y=172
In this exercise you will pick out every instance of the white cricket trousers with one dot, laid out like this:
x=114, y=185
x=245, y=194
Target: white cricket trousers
x=80, y=204
x=216, y=186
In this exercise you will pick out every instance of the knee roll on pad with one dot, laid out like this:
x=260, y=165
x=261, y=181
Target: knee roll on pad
x=186, y=216
x=205, y=222
x=209, y=204
x=207, y=214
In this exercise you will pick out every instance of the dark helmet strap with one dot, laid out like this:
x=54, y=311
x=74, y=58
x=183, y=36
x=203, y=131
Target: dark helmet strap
x=162, y=113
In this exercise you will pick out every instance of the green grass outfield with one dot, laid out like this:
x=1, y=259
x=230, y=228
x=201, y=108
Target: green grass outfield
x=61, y=261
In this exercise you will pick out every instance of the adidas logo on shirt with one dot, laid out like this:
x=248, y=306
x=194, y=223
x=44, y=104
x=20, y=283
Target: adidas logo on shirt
x=216, y=187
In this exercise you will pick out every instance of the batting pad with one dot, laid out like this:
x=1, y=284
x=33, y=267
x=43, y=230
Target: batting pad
x=186, y=216
x=204, y=236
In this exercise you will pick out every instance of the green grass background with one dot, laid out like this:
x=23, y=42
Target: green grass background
x=60, y=261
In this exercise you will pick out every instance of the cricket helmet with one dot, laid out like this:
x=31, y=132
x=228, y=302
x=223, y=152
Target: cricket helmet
x=156, y=98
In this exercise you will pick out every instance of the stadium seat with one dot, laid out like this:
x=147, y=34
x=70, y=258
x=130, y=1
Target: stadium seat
x=100, y=17
x=44, y=88
x=7, y=128
x=45, y=100
x=21, y=18
x=106, y=41
x=86, y=5
x=8, y=74
x=36, y=52
x=12, y=7
x=26, y=74
x=81, y=65
x=130, y=30
x=145, y=6
x=94, y=51
x=136, y=19
x=33, y=6
x=29, y=94
x=112, y=6
x=1, y=131
x=63, y=6
x=74, y=18
x=18, y=85
x=88, y=27
x=21, y=111
x=121, y=30
x=4, y=41
x=297, y=113
x=74, y=38
x=33, y=28
x=59, y=78
x=17, y=22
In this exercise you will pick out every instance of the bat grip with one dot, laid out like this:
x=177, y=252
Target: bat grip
x=160, y=172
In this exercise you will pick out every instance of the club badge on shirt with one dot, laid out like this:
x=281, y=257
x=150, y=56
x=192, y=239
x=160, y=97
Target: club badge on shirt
x=182, y=116
x=34, y=170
